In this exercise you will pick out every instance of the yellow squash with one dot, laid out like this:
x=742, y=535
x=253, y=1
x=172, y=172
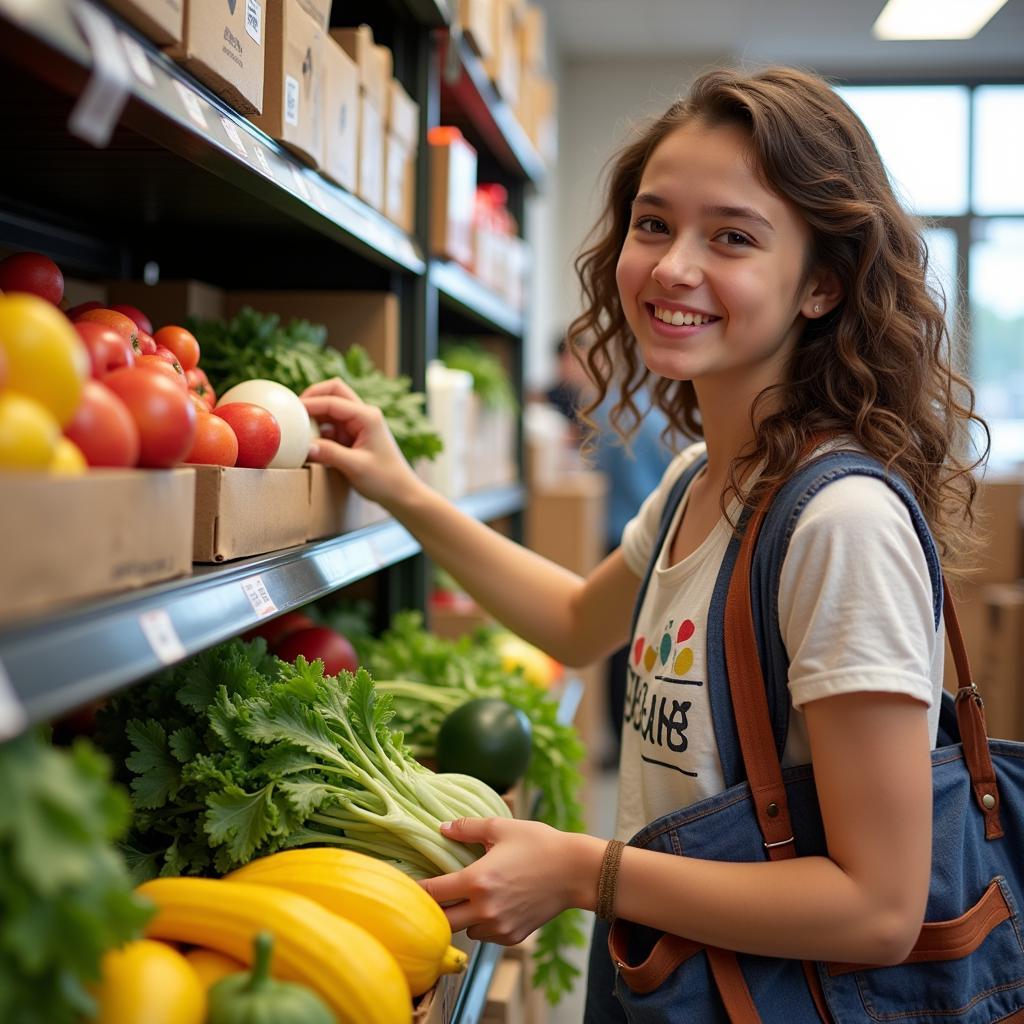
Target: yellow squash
x=210, y=966
x=356, y=976
x=373, y=894
x=147, y=982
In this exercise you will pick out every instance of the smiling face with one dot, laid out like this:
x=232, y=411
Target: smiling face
x=711, y=275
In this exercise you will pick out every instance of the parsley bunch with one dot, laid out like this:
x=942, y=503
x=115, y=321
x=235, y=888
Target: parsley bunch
x=65, y=894
x=256, y=345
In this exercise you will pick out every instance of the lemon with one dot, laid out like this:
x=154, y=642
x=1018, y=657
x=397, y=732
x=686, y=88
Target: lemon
x=28, y=432
x=68, y=459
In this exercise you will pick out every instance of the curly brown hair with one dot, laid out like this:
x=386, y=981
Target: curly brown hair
x=877, y=368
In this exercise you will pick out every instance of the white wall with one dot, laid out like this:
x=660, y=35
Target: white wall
x=599, y=101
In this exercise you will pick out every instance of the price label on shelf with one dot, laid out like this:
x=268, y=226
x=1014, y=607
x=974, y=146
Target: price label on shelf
x=12, y=715
x=300, y=184
x=234, y=136
x=98, y=109
x=261, y=159
x=137, y=60
x=194, y=109
x=161, y=635
x=256, y=590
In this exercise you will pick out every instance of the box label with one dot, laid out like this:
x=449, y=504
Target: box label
x=12, y=714
x=102, y=100
x=254, y=20
x=256, y=591
x=264, y=163
x=300, y=183
x=235, y=138
x=291, y=101
x=161, y=635
x=190, y=101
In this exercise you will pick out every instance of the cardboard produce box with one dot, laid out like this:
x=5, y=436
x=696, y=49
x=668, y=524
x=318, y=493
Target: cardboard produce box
x=503, y=65
x=537, y=1009
x=533, y=37
x=476, y=18
x=375, y=65
x=340, y=160
x=293, y=80
x=998, y=505
x=223, y=45
x=64, y=539
x=452, y=195
x=369, y=319
x=505, y=1003
x=169, y=302
x=1000, y=673
x=241, y=512
x=403, y=122
x=159, y=20
x=334, y=508
x=319, y=11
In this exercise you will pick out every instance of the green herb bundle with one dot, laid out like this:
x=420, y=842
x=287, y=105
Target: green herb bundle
x=256, y=345
x=428, y=677
x=235, y=755
x=65, y=893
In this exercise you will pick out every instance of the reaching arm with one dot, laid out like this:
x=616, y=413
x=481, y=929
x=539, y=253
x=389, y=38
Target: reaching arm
x=576, y=620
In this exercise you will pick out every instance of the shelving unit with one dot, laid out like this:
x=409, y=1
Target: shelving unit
x=165, y=175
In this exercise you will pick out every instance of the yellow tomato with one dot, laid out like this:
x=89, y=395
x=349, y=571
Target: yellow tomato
x=148, y=982
x=68, y=459
x=28, y=433
x=46, y=359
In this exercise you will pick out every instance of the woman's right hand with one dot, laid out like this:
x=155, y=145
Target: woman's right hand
x=357, y=442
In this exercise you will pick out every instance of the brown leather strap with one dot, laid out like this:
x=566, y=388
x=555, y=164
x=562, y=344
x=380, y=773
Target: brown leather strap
x=817, y=992
x=732, y=986
x=753, y=722
x=669, y=952
x=950, y=940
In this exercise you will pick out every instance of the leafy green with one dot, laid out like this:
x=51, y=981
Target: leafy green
x=490, y=381
x=65, y=893
x=258, y=345
x=427, y=677
x=251, y=755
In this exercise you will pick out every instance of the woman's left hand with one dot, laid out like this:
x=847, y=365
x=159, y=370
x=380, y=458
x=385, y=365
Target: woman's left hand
x=529, y=874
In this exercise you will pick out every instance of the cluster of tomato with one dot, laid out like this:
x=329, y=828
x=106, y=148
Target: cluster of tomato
x=96, y=386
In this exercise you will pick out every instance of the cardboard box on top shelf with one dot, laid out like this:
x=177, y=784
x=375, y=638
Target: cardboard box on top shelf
x=452, y=195
x=76, y=292
x=375, y=67
x=319, y=11
x=533, y=38
x=159, y=20
x=369, y=319
x=476, y=19
x=505, y=1003
x=240, y=512
x=334, y=507
x=402, y=125
x=1000, y=674
x=503, y=65
x=998, y=505
x=224, y=46
x=293, y=79
x=169, y=302
x=341, y=116
x=50, y=558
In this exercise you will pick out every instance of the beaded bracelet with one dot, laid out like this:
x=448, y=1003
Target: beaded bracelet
x=607, y=879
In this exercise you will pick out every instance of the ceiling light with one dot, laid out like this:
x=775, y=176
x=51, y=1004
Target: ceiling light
x=934, y=19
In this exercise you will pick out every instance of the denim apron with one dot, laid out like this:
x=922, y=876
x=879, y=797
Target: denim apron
x=975, y=883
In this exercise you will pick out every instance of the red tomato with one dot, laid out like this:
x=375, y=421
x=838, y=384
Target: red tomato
x=277, y=629
x=118, y=321
x=197, y=375
x=162, y=411
x=103, y=428
x=215, y=443
x=147, y=345
x=182, y=343
x=169, y=357
x=331, y=648
x=108, y=350
x=32, y=272
x=83, y=307
x=156, y=364
x=134, y=313
x=199, y=385
x=199, y=402
x=257, y=430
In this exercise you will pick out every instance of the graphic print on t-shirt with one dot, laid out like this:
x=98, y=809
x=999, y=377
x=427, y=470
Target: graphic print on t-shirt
x=660, y=694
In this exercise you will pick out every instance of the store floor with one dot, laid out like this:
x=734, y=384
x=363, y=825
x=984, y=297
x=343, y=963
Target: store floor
x=600, y=803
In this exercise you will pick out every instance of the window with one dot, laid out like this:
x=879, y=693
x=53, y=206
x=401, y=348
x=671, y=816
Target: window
x=955, y=155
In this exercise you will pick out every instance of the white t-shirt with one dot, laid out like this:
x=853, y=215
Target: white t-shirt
x=855, y=614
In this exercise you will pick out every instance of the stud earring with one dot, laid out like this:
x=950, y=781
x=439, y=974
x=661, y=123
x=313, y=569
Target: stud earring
x=817, y=308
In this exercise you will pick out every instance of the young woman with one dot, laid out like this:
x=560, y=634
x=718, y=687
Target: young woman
x=753, y=260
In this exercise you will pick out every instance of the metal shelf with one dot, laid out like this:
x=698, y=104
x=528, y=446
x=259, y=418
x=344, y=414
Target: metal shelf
x=469, y=100
x=460, y=290
x=59, y=661
x=167, y=106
